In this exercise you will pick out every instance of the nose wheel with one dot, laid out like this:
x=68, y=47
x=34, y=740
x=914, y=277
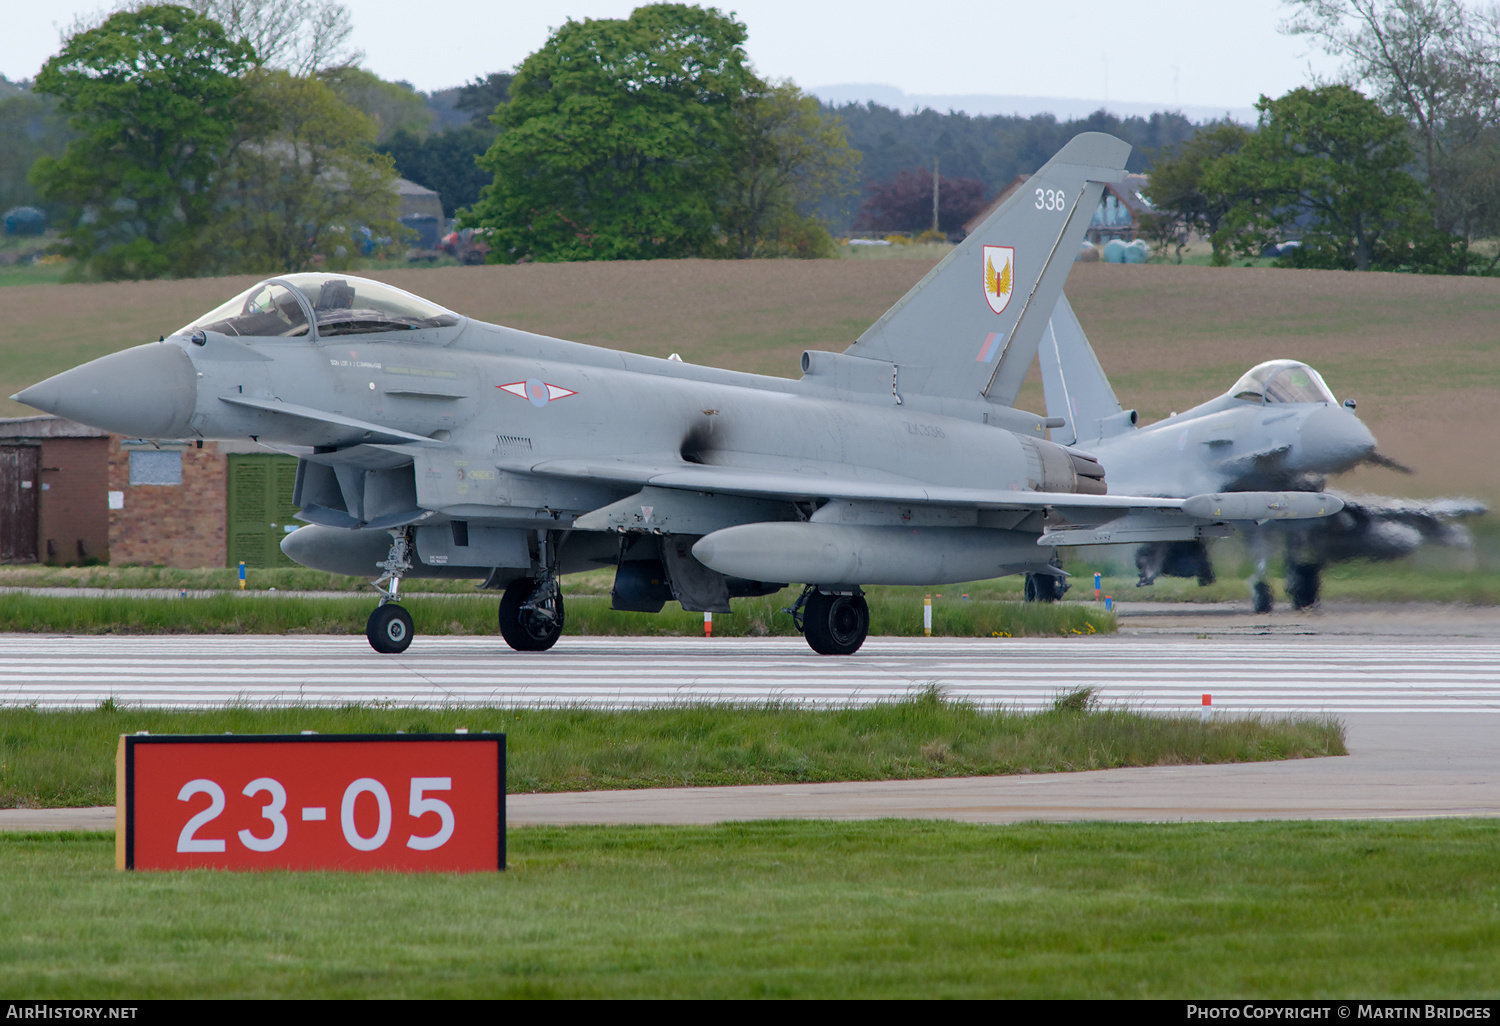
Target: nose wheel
x=389, y=629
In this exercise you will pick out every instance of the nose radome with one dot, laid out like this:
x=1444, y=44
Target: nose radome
x=148, y=391
x=1333, y=439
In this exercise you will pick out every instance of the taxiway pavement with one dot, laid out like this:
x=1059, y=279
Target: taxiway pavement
x=1413, y=687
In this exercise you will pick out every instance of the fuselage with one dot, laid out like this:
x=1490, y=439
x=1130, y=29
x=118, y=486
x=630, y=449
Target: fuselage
x=1233, y=444
x=478, y=412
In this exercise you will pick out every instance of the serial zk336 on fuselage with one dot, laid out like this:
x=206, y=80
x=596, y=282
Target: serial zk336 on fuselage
x=435, y=445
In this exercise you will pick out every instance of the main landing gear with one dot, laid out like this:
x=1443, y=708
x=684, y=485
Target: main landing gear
x=832, y=623
x=1044, y=588
x=531, y=610
x=531, y=614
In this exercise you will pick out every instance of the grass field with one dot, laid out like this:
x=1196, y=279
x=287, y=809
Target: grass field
x=66, y=759
x=886, y=909
x=891, y=613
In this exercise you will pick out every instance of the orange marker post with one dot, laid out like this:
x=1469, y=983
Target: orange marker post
x=927, y=616
x=708, y=625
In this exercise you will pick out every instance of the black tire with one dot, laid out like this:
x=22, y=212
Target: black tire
x=1303, y=582
x=521, y=632
x=835, y=624
x=1260, y=597
x=1042, y=588
x=389, y=629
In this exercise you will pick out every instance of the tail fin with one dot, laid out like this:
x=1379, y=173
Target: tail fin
x=1072, y=380
x=971, y=327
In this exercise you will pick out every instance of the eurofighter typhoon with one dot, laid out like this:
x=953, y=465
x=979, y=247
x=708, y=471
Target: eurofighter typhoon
x=1278, y=427
x=432, y=445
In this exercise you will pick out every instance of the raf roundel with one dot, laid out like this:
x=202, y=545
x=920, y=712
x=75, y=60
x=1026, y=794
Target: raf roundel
x=538, y=393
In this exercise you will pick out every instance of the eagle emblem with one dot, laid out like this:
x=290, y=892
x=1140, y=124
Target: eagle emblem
x=999, y=276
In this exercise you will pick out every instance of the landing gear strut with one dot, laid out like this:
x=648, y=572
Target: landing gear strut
x=389, y=628
x=832, y=624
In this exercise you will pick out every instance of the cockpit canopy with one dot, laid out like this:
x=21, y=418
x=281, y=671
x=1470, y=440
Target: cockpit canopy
x=337, y=304
x=1283, y=381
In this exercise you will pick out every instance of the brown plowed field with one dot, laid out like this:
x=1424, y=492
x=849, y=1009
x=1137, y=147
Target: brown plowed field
x=1421, y=354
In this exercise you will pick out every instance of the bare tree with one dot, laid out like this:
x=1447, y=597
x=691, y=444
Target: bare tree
x=1436, y=63
x=300, y=36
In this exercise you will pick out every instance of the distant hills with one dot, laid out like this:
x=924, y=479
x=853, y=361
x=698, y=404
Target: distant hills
x=1063, y=108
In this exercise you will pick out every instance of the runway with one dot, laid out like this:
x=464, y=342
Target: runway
x=1272, y=674
x=1419, y=744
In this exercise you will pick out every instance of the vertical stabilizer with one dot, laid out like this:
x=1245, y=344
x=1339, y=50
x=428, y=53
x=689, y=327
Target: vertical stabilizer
x=971, y=327
x=1073, y=382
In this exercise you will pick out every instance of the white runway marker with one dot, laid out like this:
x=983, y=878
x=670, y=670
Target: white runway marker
x=1271, y=675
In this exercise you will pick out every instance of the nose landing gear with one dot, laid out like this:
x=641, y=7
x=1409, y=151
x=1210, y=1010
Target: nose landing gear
x=389, y=629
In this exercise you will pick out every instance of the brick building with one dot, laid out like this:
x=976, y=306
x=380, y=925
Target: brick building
x=73, y=494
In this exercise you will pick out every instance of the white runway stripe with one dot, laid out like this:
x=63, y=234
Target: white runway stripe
x=1270, y=674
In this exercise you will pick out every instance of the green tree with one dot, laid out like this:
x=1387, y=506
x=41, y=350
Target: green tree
x=444, y=162
x=31, y=127
x=1175, y=185
x=1436, y=63
x=1330, y=165
x=616, y=141
x=786, y=158
x=392, y=106
x=305, y=187
x=156, y=97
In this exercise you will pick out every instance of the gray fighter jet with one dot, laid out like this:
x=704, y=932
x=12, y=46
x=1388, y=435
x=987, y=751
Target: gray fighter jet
x=434, y=445
x=1278, y=428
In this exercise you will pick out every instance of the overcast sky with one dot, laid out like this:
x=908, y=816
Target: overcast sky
x=1165, y=52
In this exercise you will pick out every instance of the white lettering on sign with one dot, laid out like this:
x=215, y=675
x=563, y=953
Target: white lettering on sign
x=187, y=840
x=274, y=811
x=366, y=785
x=271, y=812
x=421, y=805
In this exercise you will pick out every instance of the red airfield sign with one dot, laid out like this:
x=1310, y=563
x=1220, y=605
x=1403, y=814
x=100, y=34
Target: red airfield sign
x=310, y=801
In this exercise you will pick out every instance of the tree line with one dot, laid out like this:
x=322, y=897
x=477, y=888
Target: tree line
x=222, y=136
x=1406, y=178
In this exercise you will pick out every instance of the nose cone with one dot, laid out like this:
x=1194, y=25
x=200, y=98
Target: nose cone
x=149, y=391
x=1331, y=440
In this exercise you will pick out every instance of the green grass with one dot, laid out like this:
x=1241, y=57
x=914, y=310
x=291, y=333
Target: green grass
x=66, y=759
x=885, y=909
x=33, y=274
x=235, y=613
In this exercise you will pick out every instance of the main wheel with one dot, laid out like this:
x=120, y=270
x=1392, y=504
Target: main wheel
x=1042, y=588
x=835, y=624
x=523, y=630
x=1260, y=597
x=1303, y=582
x=389, y=629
